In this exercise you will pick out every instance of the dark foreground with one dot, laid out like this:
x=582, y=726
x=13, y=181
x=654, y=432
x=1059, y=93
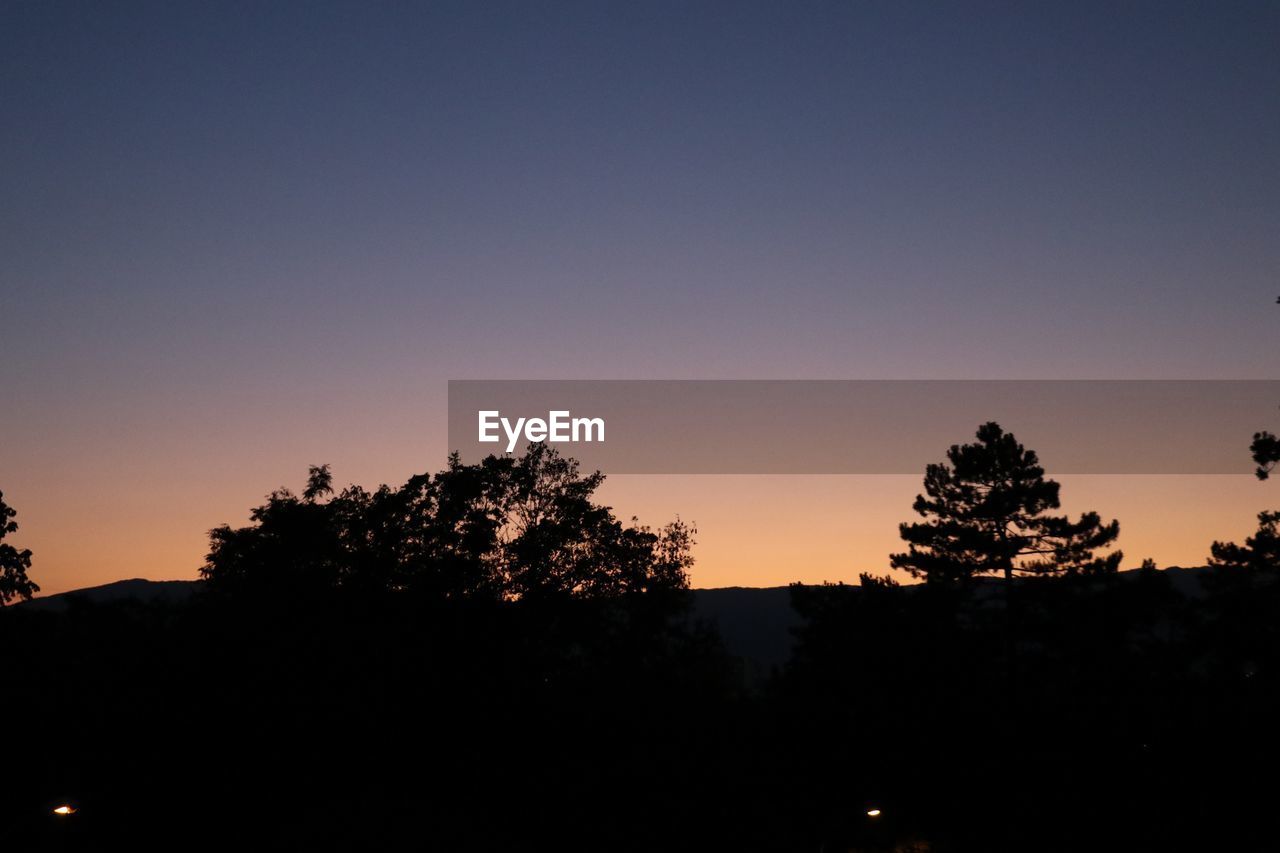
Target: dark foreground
x=1116, y=713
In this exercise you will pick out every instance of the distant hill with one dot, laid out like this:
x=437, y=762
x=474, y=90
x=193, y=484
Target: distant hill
x=754, y=622
x=134, y=589
x=1186, y=581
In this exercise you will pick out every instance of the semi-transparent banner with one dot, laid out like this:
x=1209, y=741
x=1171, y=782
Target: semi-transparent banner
x=865, y=426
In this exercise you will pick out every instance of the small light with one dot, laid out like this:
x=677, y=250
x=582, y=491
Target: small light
x=873, y=813
x=64, y=810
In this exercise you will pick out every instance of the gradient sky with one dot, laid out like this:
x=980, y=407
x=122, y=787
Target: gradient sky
x=240, y=238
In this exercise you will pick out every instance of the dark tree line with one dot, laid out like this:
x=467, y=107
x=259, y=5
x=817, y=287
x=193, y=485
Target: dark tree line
x=1117, y=711
x=486, y=658
x=483, y=658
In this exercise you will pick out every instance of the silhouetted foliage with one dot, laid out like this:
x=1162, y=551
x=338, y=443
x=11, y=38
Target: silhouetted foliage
x=481, y=659
x=1137, y=700
x=1266, y=453
x=486, y=659
x=507, y=528
x=987, y=514
x=1265, y=450
x=1260, y=552
x=14, y=582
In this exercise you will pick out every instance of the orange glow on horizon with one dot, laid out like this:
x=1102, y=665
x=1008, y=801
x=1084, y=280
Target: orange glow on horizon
x=752, y=530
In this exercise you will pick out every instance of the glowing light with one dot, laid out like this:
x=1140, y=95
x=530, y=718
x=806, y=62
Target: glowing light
x=873, y=813
x=64, y=810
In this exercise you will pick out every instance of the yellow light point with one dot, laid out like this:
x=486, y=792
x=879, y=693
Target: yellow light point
x=64, y=810
x=873, y=813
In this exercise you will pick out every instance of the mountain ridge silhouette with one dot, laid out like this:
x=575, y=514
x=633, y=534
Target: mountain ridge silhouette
x=755, y=623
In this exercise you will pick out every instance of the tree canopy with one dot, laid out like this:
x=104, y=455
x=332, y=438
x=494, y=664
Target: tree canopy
x=1261, y=551
x=14, y=582
x=506, y=528
x=988, y=512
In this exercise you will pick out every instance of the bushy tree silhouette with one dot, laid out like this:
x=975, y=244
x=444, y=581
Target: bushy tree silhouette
x=507, y=528
x=14, y=582
x=988, y=514
x=1261, y=551
x=489, y=630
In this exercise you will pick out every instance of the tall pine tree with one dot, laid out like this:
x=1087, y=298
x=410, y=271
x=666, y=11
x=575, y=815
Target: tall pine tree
x=988, y=513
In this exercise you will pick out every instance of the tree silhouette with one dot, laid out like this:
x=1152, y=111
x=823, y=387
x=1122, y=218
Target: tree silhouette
x=506, y=528
x=987, y=514
x=1259, y=551
x=13, y=563
x=295, y=544
x=1266, y=453
x=553, y=540
x=1265, y=450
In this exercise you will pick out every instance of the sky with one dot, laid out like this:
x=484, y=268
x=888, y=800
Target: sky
x=237, y=239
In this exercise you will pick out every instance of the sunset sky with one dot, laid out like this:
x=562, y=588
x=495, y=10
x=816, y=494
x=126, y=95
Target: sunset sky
x=241, y=238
